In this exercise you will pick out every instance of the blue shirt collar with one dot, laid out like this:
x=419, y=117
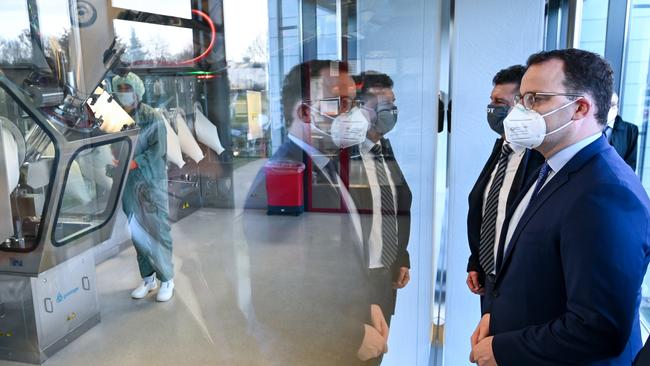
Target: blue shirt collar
x=562, y=157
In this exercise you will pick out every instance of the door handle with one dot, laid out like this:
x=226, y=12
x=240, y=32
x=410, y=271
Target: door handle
x=49, y=306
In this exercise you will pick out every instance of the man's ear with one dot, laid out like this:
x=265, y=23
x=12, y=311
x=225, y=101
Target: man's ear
x=584, y=106
x=304, y=113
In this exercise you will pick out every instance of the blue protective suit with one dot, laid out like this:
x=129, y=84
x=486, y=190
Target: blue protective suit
x=145, y=199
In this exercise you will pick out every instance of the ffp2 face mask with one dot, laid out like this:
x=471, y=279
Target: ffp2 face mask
x=527, y=128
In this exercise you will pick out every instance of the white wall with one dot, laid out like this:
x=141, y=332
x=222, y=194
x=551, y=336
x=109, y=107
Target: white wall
x=488, y=36
x=401, y=39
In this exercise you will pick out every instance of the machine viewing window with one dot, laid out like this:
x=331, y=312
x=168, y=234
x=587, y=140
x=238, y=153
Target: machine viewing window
x=26, y=161
x=91, y=185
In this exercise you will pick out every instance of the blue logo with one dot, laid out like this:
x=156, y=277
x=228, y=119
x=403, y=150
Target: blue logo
x=62, y=297
x=16, y=262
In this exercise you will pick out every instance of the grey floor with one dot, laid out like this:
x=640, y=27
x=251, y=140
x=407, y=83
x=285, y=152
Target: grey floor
x=201, y=325
x=210, y=320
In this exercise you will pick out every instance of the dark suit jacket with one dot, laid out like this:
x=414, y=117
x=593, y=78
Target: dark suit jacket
x=363, y=200
x=527, y=169
x=643, y=358
x=567, y=289
x=308, y=282
x=624, y=139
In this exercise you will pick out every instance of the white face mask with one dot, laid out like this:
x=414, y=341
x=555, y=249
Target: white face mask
x=126, y=99
x=527, y=128
x=348, y=129
x=611, y=116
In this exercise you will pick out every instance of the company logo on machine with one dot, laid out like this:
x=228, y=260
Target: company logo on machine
x=16, y=262
x=62, y=297
x=72, y=316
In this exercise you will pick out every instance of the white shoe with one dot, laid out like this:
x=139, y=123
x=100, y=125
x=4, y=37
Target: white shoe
x=149, y=284
x=166, y=291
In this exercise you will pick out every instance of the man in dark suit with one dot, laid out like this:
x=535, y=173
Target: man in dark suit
x=381, y=194
x=310, y=287
x=512, y=166
x=575, y=246
x=623, y=136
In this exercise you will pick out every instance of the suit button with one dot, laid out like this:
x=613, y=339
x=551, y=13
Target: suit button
x=495, y=294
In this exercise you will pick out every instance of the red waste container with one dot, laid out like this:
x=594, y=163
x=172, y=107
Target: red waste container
x=284, y=187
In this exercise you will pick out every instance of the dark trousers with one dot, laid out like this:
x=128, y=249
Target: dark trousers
x=382, y=294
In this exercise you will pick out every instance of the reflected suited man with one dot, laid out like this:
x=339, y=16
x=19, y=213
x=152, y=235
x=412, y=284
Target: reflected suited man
x=310, y=286
x=382, y=195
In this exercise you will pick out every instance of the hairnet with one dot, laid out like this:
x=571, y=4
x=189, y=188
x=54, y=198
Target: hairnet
x=130, y=79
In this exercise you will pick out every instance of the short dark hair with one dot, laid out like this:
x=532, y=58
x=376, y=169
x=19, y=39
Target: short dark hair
x=512, y=74
x=372, y=79
x=296, y=85
x=584, y=72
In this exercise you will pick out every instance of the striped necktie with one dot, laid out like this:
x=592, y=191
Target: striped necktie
x=489, y=222
x=388, y=211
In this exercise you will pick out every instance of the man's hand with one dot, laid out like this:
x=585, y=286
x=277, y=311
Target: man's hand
x=378, y=321
x=133, y=165
x=482, y=353
x=403, y=278
x=473, y=283
x=482, y=330
x=373, y=345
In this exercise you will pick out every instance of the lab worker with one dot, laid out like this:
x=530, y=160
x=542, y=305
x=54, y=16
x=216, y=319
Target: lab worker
x=145, y=200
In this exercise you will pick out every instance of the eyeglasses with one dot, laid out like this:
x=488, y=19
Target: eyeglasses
x=529, y=99
x=335, y=106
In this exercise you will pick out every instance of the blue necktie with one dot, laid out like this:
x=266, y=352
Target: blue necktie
x=541, y=178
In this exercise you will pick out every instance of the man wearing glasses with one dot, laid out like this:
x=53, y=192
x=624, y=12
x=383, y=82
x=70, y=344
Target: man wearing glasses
x=575, y=246
x=309, y=281
x=505, y=173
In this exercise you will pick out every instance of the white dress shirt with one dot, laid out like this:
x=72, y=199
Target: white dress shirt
x=375, y=242
x=514, y=159
x=321, y=160
x=556, y=163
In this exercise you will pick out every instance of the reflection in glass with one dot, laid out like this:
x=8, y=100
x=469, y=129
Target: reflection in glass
x=635, y=105
x=152, y=44
x=28, y=157
x=15, y=42
x=90, y=190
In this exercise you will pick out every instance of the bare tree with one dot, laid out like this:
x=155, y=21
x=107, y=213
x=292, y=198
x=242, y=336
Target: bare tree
x=159, y=49
x=135, y=51
x=258, y=50
x=16, y=50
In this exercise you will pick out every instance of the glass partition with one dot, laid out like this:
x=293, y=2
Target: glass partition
x=28, y=157
x=90, y=190
x=635, y=105
x=248, y=194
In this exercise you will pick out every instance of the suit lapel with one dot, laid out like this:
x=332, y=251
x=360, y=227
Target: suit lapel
x=402, y=191
x=519, y=180
x=485, y=175
x=547, y=191
x=560, y=178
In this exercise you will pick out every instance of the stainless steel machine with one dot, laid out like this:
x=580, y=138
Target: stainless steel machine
x=64, y=154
